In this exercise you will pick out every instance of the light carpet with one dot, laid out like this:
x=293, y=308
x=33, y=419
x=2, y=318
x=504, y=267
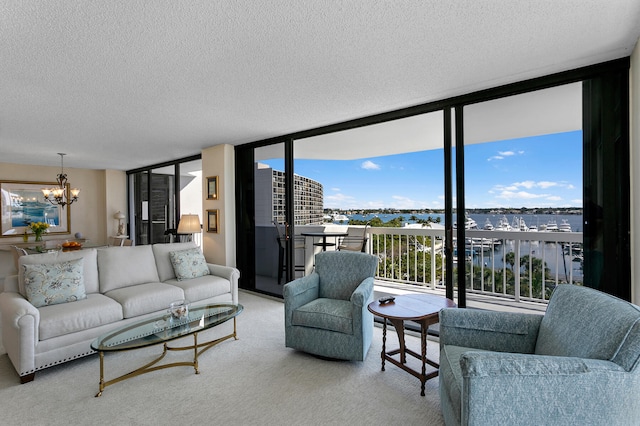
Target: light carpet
x=254, y=380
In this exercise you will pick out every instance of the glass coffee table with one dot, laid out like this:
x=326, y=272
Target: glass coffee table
x=163, y=329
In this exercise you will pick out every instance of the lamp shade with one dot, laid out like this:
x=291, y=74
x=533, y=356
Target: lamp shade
x=189, y=224
x=119, y=215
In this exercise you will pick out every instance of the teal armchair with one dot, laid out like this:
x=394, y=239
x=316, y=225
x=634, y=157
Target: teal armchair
x=577, y=364
x=326, y=312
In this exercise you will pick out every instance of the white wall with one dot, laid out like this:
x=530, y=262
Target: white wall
x=220, y=248
x=634, y=78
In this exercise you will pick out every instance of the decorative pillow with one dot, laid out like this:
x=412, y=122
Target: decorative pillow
x=53, y=283
x=188, y=264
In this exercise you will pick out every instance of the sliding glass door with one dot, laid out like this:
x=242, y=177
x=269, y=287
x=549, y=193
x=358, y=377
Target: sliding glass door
x=156, y=195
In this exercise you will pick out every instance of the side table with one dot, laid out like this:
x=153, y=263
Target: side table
x=420, y=308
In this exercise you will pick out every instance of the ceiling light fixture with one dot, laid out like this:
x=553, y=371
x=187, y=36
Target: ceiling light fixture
x=60, y=195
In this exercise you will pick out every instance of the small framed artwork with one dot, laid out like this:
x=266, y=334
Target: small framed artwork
x=212, y=188
x=213, y=220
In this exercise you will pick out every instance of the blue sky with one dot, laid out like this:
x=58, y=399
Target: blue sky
x=540, y=171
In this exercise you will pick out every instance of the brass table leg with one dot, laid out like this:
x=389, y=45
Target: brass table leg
x=198, y=349
x=195, y=352
x=101, y=374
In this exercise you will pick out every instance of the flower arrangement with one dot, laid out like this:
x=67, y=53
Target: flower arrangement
x=38, y=228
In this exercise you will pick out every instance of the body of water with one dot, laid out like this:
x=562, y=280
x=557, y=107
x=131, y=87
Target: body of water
x=574, y=220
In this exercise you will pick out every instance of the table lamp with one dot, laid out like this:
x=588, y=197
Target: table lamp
x=120, y=216
x=189, y=224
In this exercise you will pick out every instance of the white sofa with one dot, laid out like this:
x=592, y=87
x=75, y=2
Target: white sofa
x=122, y=285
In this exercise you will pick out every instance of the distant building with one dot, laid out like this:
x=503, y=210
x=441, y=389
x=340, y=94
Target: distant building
x=270, y=201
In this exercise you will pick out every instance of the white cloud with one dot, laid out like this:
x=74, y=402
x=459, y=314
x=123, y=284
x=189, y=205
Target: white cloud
x=577, y=202
x=554, y=198
x=335, y=189
x=520, y=195
x=370, y=165
x=526, y=184
x=546, y=184
x=502, y=154
x=338, y=198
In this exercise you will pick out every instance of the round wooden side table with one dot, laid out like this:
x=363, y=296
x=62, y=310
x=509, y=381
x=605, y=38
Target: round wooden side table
x=420, y=308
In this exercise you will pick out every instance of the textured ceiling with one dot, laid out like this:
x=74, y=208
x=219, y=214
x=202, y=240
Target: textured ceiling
x=123, y=84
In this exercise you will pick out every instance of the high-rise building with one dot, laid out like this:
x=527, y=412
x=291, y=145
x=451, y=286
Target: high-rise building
x=270, y=197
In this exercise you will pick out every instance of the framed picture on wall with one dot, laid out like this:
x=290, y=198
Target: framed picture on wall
x=212, y=188
x=213, y=220
x=22, y=203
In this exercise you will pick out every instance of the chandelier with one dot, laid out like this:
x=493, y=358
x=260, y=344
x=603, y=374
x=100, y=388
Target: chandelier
x=59, y=195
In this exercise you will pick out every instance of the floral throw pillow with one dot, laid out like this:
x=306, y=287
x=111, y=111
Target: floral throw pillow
x=188, y=264
x=52, y=283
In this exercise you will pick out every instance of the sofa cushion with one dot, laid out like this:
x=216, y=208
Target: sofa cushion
x=145, y=298
x=90, y=266
x=53, y=283
x=93, y=311
x=161, y=254
x=188, y=264
x=202, y=287
x=585, y=323
x=120, y=267
x=327, y=314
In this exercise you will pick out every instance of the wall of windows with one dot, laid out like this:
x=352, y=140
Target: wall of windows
x=607, y=92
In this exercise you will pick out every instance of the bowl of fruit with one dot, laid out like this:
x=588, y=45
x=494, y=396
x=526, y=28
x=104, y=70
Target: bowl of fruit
x=71, y=245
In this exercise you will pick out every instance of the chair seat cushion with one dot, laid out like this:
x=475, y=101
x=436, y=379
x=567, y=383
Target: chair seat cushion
x=451, y=372
x=326, y=314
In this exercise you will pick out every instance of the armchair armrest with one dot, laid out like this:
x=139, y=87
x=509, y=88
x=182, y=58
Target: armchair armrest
x=361, y=295
x=509, y=388
x=493, y=331
x=300, y=292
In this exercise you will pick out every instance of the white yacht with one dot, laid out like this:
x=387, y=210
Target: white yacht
x=564, y=226
x=552, y=226
x=468, y=223
x=488, y=226
x=340, y=218
x=519, y=224
x=503, y=224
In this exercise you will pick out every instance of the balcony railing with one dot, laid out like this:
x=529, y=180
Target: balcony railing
x=513, y=266
x=520, y=266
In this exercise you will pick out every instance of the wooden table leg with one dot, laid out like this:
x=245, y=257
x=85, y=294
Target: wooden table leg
x=399, y=326
x=384, y=342
x=423, y=343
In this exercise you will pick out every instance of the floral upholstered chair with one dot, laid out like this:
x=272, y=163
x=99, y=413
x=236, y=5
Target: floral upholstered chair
x=326, y=312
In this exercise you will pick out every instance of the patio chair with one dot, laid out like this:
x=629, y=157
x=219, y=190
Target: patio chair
x=578, y=364
x=299, y=244
x=326, y=312
x=356, y=240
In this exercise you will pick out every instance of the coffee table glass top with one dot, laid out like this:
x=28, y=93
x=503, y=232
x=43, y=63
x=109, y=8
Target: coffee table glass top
x=163, y=328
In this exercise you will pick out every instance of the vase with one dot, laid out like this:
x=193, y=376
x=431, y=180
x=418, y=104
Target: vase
x=38, y=236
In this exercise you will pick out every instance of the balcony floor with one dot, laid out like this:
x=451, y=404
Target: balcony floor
x=474, y=300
